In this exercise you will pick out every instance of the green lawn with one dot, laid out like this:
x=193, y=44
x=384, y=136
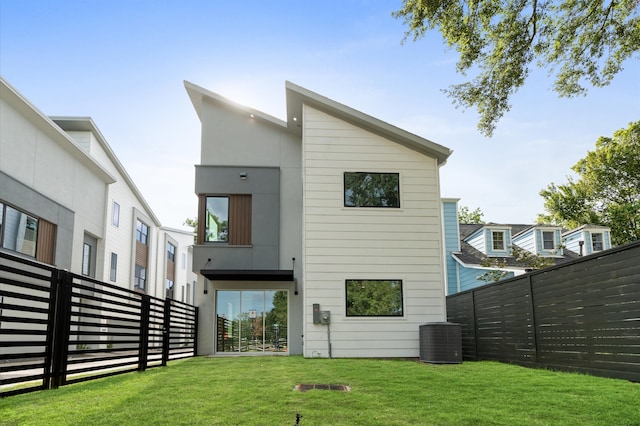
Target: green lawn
x=259, y=391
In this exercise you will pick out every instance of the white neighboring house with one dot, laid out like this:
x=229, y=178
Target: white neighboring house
x=330, y=214
x=80, y=209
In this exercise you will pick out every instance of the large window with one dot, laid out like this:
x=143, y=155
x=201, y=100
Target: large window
x=217, y=219
x=140, y=278
x=18, y=230
x=497, y=240
x=362, y=189
x=374, y=298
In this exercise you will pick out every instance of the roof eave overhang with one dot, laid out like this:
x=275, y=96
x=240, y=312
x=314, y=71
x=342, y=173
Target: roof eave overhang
x=298, y=96
x=248, y=274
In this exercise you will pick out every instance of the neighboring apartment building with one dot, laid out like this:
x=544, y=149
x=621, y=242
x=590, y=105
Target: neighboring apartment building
x=66, y=200
x=474, y=249
x=320, y=235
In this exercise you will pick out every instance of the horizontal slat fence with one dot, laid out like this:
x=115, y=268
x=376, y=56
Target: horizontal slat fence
x=579, y=316
x=58, y=328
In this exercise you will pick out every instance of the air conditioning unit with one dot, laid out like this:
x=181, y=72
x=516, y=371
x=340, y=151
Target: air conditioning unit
x=441, y=343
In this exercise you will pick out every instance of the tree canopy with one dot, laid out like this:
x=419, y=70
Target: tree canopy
x=584, y=42
x=606, y=191
x=465, y=215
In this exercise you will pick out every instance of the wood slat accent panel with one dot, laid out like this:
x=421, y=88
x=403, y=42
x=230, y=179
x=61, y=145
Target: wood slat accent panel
x=240, y=220
x=202, y=207
x=142, y=254
x=46, y=246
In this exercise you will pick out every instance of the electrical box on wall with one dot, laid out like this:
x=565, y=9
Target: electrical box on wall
x=316, y=313
x=325, y=317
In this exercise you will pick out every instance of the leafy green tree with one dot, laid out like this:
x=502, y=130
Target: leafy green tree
x=523, y=257
x=465, y=215
x=584, y=42
x=374, y=298
x=606, y=191
x=192, y=223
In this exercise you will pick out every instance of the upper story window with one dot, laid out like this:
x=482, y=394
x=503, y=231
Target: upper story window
x=363, y=189
x=171, y=252
x=597, y=241
x=115, y=214
x=497, y=241
x=217, y=219
x=374, y=298
x=142, y=232
x=18, y=230
x=548, y=240
x=225, y=219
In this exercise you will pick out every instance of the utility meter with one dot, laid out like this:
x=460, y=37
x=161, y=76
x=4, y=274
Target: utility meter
x=325, y=317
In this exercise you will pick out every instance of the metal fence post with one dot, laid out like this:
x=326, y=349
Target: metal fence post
x=61, y=324
x=195, y=332
x=166, y=332
x=143, y=348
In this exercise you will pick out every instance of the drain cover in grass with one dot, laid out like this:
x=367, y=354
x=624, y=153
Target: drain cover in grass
x=303, y=387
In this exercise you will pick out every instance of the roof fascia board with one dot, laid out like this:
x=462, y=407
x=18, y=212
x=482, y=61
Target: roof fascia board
x=199, y=94
x=51, y=129
x=297, y=96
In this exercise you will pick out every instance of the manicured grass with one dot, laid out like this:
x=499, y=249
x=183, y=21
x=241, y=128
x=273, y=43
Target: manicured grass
x=259, y=391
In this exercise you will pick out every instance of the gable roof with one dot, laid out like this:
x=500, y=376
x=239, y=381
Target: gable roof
x=297, y=96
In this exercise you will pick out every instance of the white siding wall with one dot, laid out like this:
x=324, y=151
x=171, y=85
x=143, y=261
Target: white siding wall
x=32, y=157
x=348, y=243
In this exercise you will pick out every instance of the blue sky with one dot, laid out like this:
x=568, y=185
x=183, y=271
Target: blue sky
x=123, y=63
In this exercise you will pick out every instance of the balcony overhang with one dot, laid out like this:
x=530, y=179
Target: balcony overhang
x=248, y=274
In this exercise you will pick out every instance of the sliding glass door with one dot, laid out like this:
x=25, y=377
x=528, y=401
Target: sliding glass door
x=251, y=320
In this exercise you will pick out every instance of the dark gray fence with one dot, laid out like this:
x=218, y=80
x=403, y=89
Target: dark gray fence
x=580, y=316
x=58, y=328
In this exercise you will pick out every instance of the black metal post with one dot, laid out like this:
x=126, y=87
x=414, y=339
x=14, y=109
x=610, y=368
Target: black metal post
x=166, y=332
x=143, y=348
x=195, y=332
x=61, y=323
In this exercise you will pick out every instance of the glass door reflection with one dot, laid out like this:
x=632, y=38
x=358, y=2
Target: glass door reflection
x=251, y=320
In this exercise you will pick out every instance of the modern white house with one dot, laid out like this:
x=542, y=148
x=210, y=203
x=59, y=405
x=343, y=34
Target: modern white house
x=66, y=200
x=320, y=234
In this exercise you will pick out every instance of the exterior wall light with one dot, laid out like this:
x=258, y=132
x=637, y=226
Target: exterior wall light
x=243, y=175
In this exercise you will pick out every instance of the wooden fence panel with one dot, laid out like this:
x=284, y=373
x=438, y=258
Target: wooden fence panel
x=580, y=316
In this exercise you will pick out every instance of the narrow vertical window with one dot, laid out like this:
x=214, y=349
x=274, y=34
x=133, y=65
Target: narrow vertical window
x=171, y=252
x=497, y=238
x=142, y=232
x=217, y=219
x=597, y=242
x=86, y=259
x=184, y=261
x=140, y=278
x=115, y=218
x=548, y=242
x=114, y=267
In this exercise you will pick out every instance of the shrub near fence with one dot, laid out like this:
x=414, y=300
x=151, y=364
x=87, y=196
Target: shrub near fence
x=579, y=316
x=58, y=328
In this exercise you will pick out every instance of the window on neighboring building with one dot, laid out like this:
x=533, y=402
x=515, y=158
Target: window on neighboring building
x=597, y=241
x=548, y=240
x=115, y=217
x=188, y=293
x=86, y=259
x=171, y=252
x=363, y=189
x=497, y=240
x=18, y=230
x=140, y=278
x=184, y=261
x=114, y=267
x=142, y=232
x=374, y=298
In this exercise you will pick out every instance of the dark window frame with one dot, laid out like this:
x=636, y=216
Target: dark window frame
x=113, y=267
x=355, y=283
x=140, y=278
x=383, y=200
x=142, y=232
